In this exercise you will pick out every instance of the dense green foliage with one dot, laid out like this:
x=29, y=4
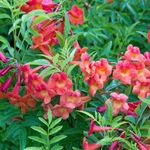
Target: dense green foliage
x=107, y=31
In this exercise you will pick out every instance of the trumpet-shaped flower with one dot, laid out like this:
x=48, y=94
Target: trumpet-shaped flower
x=124, y=72
x=48, y=5
x=31, y=5
x=47, y=34
x=116, y=143
x=95, y=128
x=147, y=59
x=142, y=73
x=95, y=83
x=118, y=103
x=73, y=99
x=3, y=58
x=102, y=68
x=44, y=93
x=141, y=145
x=79, y=51
x=132, y=107
x=24, y=102
x=142, y=89
x=41, y=43
x=26, y=70
x=84, y=65
x=5, y=70
x=148, y=35
x=61, y=111
x=6, y=84
x=133, y=54
x=87, y=146
x=60, y=83
x=76, y=15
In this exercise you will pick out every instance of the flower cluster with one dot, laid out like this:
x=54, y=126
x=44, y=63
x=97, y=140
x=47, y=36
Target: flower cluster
x=58, y=84
x=47, y=29
x=46, y=5
x=134, y=70
x=47, y=35
x=119, y=104
x=95, y=72
x=24, y=102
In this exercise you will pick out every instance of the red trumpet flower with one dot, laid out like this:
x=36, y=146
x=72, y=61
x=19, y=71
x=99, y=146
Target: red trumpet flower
x=3, y=58
x=76, y=15
x=60, y=83
x=95, y=128
x=5, y=70
x=87, y=146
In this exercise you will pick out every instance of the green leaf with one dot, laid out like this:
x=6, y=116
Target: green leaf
x=57, y=139
x=105, y=141
x=128, y=90
x=116, y=120
x=107, y=49
x=37, y=139
x=131, y=119
x=108, y=113
x=4, y=16
x=3, y=40
x=86, y=113
x=43, y=17
x=119, y=124
x=131, y=9
x=40, y=62
x=67, y=25
x=22, y=138
x=55, y=130
x=33, y=148
x=74, y=148
x=15, y=26
x=60, y=38
x=49, y=116
x=55, y=122
x=43, y=121
x=146, y=100
x=39, y=129
x=57, y=147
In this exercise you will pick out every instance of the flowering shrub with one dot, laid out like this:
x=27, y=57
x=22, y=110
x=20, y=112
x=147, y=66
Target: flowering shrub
x=47, y=72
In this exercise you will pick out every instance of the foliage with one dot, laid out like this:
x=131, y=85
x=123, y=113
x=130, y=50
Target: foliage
x=54, y=65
